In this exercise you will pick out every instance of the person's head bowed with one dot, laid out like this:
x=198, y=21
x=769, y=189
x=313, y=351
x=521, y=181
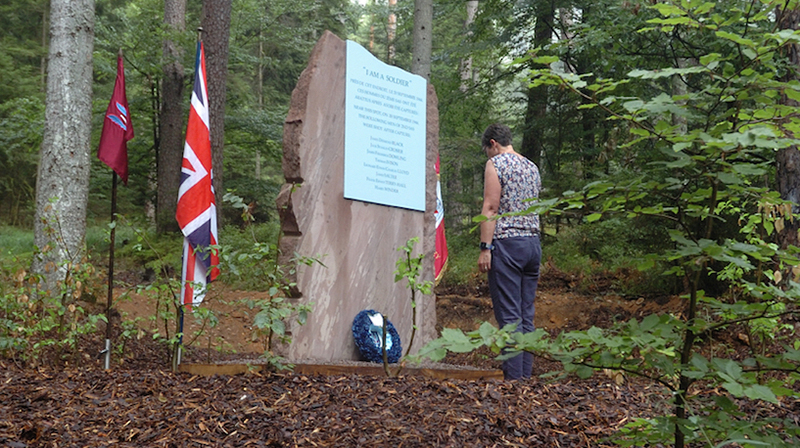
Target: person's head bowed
x=499, y=133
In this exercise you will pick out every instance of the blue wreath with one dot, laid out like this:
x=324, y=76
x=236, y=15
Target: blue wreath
x=369, y=337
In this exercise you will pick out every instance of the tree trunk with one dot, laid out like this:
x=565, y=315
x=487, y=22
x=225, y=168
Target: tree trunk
x=787, y=160
x=260, y=93
x=533, y=132
x=453, y=180
x=170, y=149
x=62, y=186
x=467, y=76
x=43, y=61
x=391, y=30
x=423, y=34
x=216, y=33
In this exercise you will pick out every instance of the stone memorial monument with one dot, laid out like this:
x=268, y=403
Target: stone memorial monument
x=356, y=241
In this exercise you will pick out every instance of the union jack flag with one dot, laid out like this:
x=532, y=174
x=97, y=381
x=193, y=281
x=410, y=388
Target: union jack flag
x=197, y=210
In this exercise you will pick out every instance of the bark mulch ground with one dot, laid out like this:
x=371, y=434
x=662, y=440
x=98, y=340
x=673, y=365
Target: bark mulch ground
x=143, y=404
x=94, y=408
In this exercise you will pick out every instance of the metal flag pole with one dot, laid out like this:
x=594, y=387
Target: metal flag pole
x=181, y=313
x=176, y=358
x=107, y=362
x=180, y=336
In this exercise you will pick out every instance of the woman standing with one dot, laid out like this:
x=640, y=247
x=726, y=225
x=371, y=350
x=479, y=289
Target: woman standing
x=510, y=248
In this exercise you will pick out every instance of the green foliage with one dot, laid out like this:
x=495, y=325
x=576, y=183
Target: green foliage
x=254, y=264
x=270, y=322
x=168, y=316
x=136, y=28
x=269, y=48
x=21, y=128
x=611, y=248
x=708, y=145
x=37, y=327
x=410, y=268
x=16, y=243
x=248, y=259
x=262, y=267
x=162, y=289
x=461, y=265
x=23, y=47
x=142, y=247
x=207, y=319
x=129, y=329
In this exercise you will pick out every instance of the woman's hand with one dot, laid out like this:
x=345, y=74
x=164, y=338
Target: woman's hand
x=485, y=260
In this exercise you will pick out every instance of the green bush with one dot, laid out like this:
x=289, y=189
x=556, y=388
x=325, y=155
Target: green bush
x=98, y=236
x=138, y=245
x=38, y=328
x=462, y=265
x=249, y=249
x=612, y=247
x=721, y=222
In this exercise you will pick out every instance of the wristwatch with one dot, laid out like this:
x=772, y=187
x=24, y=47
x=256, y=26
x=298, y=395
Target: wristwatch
x=487, y=246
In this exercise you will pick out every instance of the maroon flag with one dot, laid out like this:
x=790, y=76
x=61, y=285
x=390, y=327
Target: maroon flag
x=117, y=128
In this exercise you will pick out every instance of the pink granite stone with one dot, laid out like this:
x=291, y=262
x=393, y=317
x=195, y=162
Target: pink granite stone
x=356, y=241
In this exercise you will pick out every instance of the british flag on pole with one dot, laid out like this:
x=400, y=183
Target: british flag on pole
x=197, y=210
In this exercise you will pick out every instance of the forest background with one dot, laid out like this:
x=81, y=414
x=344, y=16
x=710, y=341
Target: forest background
x=473, y=69
x=665, y=133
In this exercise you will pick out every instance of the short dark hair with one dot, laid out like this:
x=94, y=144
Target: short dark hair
x=497, y=132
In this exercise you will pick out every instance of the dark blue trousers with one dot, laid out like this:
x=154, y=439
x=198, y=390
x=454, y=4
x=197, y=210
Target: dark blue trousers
x=513, y=279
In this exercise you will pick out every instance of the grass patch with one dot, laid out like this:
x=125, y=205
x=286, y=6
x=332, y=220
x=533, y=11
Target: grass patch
x=16, y=242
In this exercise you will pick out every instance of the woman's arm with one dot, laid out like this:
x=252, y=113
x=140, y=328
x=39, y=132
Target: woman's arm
x=491, y=203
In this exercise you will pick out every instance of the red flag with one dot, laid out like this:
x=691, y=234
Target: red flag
x=117, y=128
x=197, y=210
x=440, y=252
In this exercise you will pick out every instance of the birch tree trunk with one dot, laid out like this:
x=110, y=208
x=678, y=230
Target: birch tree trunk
x=62, y=186
x=216, y=34
x=170, y=148
x=467, y=76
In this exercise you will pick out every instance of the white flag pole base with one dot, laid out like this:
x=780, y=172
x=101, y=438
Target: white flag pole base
x=107, y=359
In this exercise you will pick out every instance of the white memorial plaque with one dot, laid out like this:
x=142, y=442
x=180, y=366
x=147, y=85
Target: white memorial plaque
x=384, y=141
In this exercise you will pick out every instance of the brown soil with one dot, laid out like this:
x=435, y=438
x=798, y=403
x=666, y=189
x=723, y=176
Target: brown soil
x=558, y=308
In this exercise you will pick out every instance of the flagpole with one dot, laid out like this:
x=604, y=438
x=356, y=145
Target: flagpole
x=180, y=337
x=113, y=151
x=182, y=305
x=107, y=363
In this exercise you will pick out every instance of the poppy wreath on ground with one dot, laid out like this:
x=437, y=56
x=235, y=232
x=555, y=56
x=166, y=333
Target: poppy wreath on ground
x=368, y=333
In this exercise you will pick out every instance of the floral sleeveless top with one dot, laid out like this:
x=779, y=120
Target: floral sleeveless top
x=519, y=182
